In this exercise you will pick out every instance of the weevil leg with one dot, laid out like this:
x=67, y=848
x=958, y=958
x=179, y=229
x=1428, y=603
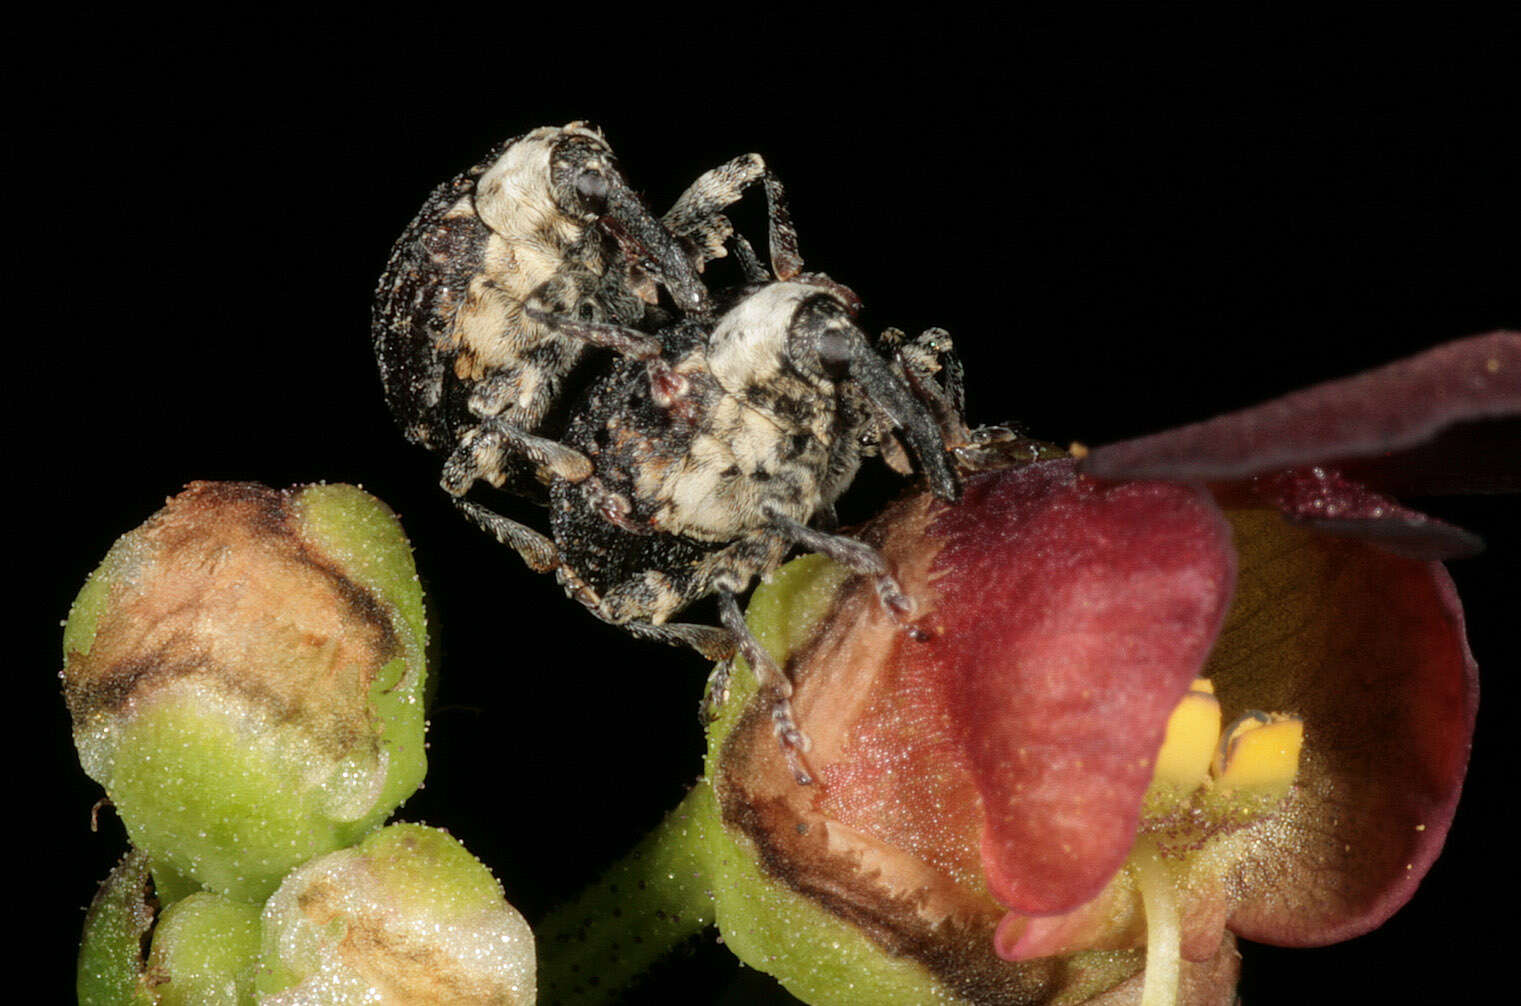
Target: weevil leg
x=773, y=680
x=697, y=217
x=637, y=602
x=712, y=642
x=643, y=602
x=786, y=260
x=482, y=453
x=666, y=386
x=631, y=604
x=939, y=341
x=749, y=263
x=619, y=338
x=856, y=556
x=716, y=695
x=713, y=190
x=537, y=551
x=919, y=362
x=932, y=369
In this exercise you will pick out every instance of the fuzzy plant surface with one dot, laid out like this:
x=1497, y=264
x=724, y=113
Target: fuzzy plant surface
x=245, y=675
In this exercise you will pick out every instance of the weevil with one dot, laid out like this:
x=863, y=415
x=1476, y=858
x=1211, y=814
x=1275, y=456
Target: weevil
x=698, y=490
x=466, y=324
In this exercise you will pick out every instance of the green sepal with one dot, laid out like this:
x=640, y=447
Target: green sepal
x=814, y=954
x=110, y=966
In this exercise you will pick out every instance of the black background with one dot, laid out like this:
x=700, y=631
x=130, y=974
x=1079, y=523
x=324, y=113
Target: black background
x=1124, y=225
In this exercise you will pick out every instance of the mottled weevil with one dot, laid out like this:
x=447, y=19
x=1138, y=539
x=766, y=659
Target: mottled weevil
x=767, y=413
x=466, y=324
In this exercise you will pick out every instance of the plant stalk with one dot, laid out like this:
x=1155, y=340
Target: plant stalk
x=651, y=901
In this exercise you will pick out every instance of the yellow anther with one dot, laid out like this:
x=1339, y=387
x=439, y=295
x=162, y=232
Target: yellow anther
x=1260, y=751
x=1192, y=733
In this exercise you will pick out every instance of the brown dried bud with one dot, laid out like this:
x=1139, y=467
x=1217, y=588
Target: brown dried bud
x=245, y=676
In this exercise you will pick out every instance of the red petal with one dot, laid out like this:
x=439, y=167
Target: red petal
x=1074, y=615
x=1394, y=408
x=1333, y=504
x=1369, y=649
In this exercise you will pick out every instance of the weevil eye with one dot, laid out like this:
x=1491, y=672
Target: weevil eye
x=835, y=347
x=593, y=187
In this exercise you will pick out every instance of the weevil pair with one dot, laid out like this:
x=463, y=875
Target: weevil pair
x=683, y=450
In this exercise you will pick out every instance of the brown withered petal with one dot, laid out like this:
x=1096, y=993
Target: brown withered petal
x=188, y=608
x=1372, y=425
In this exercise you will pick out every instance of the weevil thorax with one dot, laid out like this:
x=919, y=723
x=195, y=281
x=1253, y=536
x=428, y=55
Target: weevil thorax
x=767, y=432
x=520, y=196
x=533, y=228
x=754, y=356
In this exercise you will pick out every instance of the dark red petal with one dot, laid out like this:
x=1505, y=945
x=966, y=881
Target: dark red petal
x=1368, y=648
x=1333, y=504
x=1394, y=408
x=1074, y=614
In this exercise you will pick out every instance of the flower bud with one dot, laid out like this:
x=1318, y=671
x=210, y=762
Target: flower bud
x=205, y=947
x=408, y=915
x=205, y=951
x=245, y=676
x=110, y=967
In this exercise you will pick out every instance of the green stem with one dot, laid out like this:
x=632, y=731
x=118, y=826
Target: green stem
x=651, y=901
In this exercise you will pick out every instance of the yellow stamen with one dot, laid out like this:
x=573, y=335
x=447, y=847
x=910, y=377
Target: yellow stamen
x=1192, y=734
x=1204, y=782
x=1260, y=752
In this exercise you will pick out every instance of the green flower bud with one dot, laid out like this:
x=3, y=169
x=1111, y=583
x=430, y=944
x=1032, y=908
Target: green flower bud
x=245, y=676
x=408, y=915
x=205, y=952
x=205, y=948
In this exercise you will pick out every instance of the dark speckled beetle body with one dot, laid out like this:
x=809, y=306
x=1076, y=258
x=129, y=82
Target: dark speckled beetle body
x=700, y=492
x=466, y=321
x=709, y=445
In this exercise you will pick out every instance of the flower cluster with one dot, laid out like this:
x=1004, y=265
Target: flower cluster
x=245, y=674
x=1161, y=695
